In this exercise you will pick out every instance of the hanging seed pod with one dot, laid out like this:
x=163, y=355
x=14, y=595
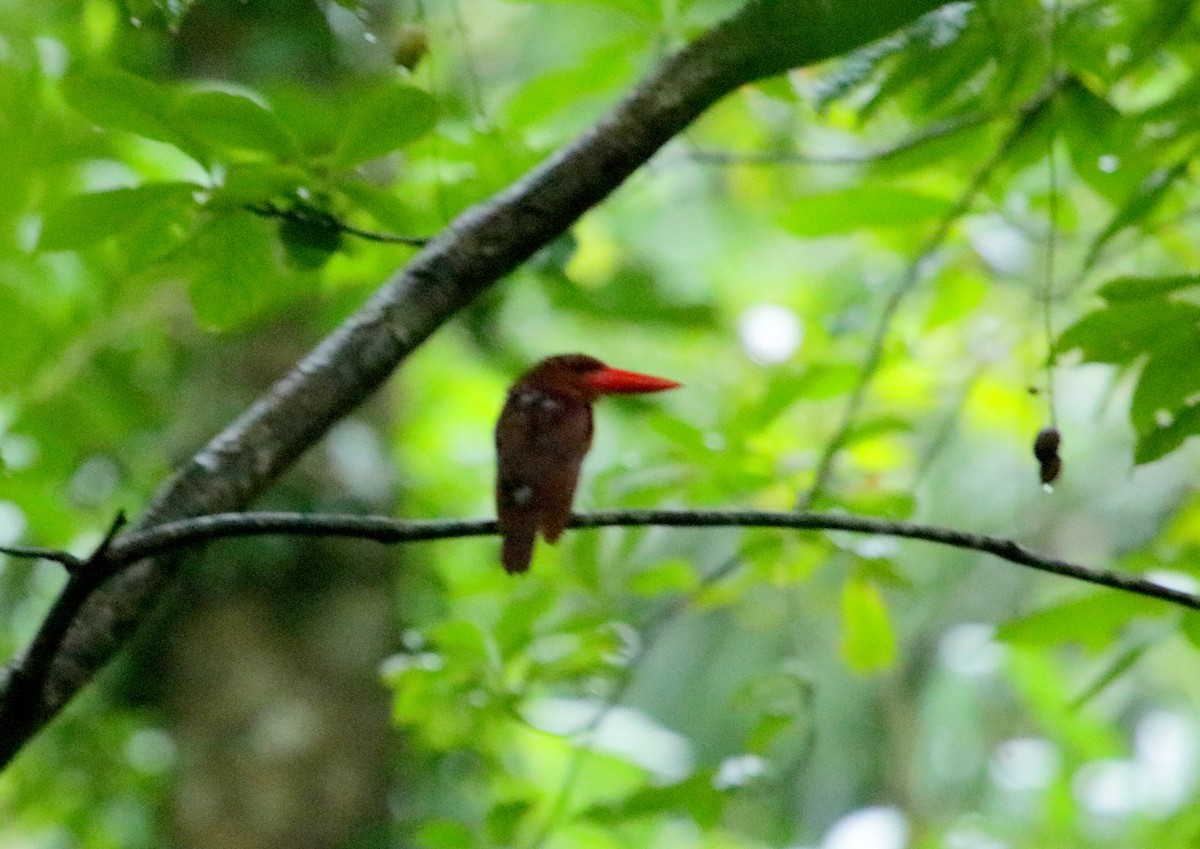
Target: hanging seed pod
x=410, y=45
x=1045, y=449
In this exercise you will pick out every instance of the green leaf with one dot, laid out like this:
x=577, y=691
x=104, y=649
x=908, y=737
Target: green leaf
x=1168, y=380
x=461, y=642
x=118, y=100
x=632, y=291
x=250, y=182
x=860, y=208
x=504, y=821
x=1134, y=288
x=561, y=91
x=673, y=576
x=1093, y=620
x=1095, y=132
x=868, y=642
x=444, y=834
x=694, y=796
x=1189, y=625
x=234, y=122
x=1119, y=333
x=236, y=272
x=385, y=120
x=1117, y=667
x=80, y=220
x=1144, y=200
x=1161, y=441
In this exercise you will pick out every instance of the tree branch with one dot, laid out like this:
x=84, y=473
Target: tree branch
x=171, y=537
x=305, y=214
x=115, y=555
x=482, y=245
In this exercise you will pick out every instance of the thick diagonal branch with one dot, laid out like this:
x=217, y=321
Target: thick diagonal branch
x=482, y=245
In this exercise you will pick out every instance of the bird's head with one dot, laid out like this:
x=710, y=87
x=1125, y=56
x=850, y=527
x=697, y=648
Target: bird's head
x=588, y=378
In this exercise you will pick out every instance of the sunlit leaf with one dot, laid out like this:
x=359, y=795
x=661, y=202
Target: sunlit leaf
x=650, y=10
x=445, y=834
x=696, y=796
x=859, y=208
x=868, y=641
x=673, y=576
x=1114, y=670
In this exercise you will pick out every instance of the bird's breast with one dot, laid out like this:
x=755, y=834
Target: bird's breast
x=538, y=427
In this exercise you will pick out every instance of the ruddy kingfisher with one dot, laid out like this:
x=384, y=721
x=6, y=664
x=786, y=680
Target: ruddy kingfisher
x=543, y=433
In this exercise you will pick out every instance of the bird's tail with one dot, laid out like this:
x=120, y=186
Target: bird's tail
x=516, y=552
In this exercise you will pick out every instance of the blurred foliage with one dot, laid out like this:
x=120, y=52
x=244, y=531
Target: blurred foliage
x=176, y=170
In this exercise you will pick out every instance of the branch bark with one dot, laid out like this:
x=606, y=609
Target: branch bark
x=482, y=245
x=173, y=536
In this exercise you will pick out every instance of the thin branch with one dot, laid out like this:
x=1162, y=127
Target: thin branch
x=27, y=674
x=1048, y=287
x=64, y=558
x=173, y=536
x=912, y=274
x=311, y=215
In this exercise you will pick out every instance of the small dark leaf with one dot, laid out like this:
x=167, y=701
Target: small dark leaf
x=310, y=237
x=868, y=641
x=1050, y=469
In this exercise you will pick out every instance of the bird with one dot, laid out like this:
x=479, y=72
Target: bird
x=543, y=433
